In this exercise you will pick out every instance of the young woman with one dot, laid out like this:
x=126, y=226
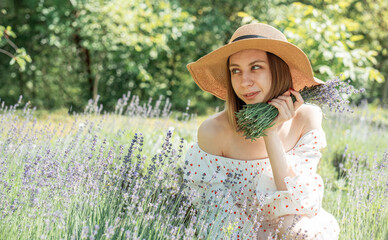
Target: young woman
x=267, y=188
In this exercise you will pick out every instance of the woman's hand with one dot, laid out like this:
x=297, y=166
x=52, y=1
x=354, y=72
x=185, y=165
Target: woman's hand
x=285, y=107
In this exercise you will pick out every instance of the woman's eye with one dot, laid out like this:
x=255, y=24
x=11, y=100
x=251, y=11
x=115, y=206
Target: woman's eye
x=234, y=71
x=255, y=67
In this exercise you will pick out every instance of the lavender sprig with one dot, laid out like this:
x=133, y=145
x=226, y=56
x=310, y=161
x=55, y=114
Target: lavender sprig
x=254, y=119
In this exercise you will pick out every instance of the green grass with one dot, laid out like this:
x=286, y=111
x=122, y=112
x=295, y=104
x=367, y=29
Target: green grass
x=354, y=166
x=74, y=189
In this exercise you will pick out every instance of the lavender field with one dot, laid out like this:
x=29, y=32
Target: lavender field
x=118, y=175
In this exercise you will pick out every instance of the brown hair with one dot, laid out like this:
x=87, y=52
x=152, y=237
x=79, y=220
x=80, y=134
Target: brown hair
x=281, y=82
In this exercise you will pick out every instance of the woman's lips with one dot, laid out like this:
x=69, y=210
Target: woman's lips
x=251, y=95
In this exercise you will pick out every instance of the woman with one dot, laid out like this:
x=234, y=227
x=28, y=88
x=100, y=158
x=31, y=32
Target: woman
x=267, y=188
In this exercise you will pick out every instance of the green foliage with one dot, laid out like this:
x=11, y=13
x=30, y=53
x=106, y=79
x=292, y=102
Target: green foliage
x=82, y=49
x=20, y=56
x=132, y=47
x=331, y=40
x=104, y=48
x=254, y=119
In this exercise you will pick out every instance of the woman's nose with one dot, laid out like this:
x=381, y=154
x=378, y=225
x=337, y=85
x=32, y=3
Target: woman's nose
x=246, y=80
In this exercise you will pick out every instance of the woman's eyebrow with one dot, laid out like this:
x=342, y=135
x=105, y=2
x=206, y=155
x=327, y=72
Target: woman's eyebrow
x=256, y=61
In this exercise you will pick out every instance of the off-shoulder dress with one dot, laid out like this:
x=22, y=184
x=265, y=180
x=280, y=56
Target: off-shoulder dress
x=240, y=196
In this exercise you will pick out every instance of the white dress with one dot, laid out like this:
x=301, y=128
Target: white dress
x=241, y=198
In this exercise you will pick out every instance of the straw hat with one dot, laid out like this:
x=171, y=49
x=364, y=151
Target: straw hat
x=211, y=72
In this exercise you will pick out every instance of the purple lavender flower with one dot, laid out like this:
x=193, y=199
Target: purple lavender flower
x=330, y=94
x=254, y=119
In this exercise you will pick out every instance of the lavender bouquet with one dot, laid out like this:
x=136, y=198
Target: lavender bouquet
x=253, y=119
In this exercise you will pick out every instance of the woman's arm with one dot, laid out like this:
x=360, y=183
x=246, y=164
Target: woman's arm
x=277, y=157
x=309, y=117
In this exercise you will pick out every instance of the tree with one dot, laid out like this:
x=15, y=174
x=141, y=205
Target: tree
x=100, y=47
x=366, y=26
x=20, y=56
x=82, y=49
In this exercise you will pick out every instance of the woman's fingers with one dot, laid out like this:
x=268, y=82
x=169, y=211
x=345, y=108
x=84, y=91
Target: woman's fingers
x=284, y=112
x=283, y=108
x=299, y=100
x=288, y=102
x=297, y=95
x=286, y=106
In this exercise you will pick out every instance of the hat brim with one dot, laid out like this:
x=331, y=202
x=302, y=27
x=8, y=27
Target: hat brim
x=211, y=71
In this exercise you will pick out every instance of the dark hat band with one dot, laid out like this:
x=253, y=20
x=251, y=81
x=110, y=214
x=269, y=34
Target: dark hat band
x=247, y=36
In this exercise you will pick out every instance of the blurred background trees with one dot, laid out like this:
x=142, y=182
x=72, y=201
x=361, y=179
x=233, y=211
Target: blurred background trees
x=81, y=49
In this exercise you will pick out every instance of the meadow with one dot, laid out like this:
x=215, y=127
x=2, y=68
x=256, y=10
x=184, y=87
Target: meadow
x=118, y=175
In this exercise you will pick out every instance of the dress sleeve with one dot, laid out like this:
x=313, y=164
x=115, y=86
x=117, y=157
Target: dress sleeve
x=305, y=190
x=206, y=187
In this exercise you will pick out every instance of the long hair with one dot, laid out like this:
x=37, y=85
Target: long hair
x=281, y=82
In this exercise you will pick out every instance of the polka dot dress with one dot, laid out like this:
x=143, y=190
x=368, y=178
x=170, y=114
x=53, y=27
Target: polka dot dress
x=240, y=197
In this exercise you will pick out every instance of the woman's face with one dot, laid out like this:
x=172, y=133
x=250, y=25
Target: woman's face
x=250, y=75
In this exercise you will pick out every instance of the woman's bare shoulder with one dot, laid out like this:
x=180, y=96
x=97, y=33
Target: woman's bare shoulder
x=211, y=133
x=309, y=116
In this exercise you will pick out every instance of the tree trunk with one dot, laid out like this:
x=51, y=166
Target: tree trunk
x=85, y=56
x=384, y=98
x=89, y=71
x=95, y=86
